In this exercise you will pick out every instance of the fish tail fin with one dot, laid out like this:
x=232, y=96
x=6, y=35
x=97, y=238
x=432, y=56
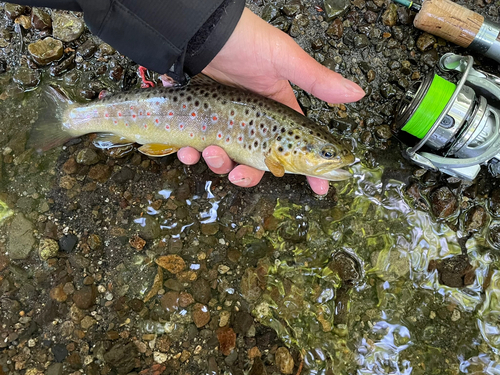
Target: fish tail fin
x=48, y=131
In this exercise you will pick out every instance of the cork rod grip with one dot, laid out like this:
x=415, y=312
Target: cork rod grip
x=449, y=21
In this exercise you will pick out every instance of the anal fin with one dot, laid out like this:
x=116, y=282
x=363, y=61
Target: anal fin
x=158, y=149
x=274, y=166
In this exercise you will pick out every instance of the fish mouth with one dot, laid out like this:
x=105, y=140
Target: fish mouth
x=337, y=175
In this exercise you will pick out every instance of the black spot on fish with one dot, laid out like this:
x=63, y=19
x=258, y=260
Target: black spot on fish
x=202, y=92
x=214, y=95
x=238, y=99
x=280, y=149
x=196, y=103
x=260, y=104
x=175, y=99
x=279, y=138
x=311, y=132
x=181, y=94
x=257, y=114
x=250, y=123
x=283, y=130
x=247, y=111
x=249, y=147
x=252, y=132
x=207, y=94
x=261, y=125
x=232, y=113
x=256, y=143
x=289, y=145
x=189, y=98
x=205, y=105
x=297, y=137
x=290, y=132
x=264, y=145
x=275, y=128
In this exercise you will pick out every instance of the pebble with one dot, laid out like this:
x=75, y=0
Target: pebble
x=475, y=219
x=87, y=49
x=60, y=352
x=20, y=240
x=87, y=156
x=40, y=19
x=269, y=12
x=383, y=132
x=67, y=243
x=85, y=297
x=149, y=228
x=443, y=202
x=284, y=360
x=66, y=27
x=160, y=357
x=54, y=369
x=58, y=294
x=172, y=263
x=201, y=291
x=227, y=340
x=336, y=29
x=48, y=248
x=122, y=357
x=335, y=8
x=13, y=10
x=494, y=203
x=63, y=66
x=46, y=50
x=170, y=301
x=210, y=229
x=100, y=172
x=26, y=77
x=390, y=16
x=67, y=182
x=201, y=315
x=87, y=322
x=105, y=49
x=425, y=42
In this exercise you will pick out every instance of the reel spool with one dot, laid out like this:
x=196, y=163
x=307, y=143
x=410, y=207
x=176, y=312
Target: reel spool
x=456, y=121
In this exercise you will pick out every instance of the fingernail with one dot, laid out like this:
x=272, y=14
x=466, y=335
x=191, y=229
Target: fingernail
x=243, y=182
x=215, y=161
x=352, y=87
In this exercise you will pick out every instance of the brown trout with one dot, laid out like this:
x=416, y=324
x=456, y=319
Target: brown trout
x=253, y=130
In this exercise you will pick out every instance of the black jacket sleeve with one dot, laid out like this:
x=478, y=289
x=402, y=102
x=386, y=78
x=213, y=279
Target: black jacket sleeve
x=167, y=36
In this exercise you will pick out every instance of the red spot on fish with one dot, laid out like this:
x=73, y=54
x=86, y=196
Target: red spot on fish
x=145, y=126
x=119, y=114
x=184, y=106
x=126, y=124
x=157, y=121
x=106, y=114
x=140, y=113
x=116, y=122
x=131, y=107
x=193, y=114
x=204, y=127
x=170, y=113
x=242, y=124
x=191, y=135
x=134, y=116
x=227, y=139
x=240, y=139
x=214, y=118
x=148, y=114
x=167, y=127
x=181, y=126
x=232, y=113
x=231, y=123
x=219, y=135
x=264, y=130
x=202, y=138
x=157, y=103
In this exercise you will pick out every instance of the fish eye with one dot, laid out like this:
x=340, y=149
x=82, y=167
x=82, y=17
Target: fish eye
x=328, y=153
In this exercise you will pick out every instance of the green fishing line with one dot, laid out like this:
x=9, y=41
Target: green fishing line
x=438, y=95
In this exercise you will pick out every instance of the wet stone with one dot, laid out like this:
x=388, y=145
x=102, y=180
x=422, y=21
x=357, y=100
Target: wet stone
x=494, y=202
x=390, y=16
x=68, y=242
x=149, y=228
x=242, y=322
x=209, y=229
x=455, y=272
x=290, y=10
x=426, y=42
x=100, y=172
x=85, y=297
x=48, y=248
x=122, y=357
x=370, y=16
x=201, y=291
x=40, y=19
x=170, y=301
x=383, y=132
x=494, y=235
x=387, y=90
x=284, y=360
x=371, y=75
x=60, y=352
x=63, y=66
x=361, y=41
x=346, y=266
x=13, y=10
x=336, y=29
x=335, y=8
x=443, y=202
x=20, y=239
x=201, y=315
x=136, y=304
x=269, y=12
x=87, y=156
x=123, y=175
x=87, y=49
x=475, y=219
x=26, y=77
x=3, y=66
x=67, y=27
x=227, y=340
x=54, y=369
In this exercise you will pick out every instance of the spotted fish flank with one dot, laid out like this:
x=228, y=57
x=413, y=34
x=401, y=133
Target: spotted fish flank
x=253, y=130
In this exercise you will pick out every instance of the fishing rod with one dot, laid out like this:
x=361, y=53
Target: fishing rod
x=457, y=24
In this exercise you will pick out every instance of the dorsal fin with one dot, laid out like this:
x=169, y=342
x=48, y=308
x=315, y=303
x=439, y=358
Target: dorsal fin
x=202, y=79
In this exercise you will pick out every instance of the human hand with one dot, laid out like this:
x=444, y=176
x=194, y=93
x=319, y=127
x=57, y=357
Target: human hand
x=260, y=58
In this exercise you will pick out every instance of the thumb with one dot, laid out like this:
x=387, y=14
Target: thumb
x=311, y=76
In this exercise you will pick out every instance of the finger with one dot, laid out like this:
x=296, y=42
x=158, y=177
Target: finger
x=217, y=160
x=245, y=176
x=286, y=96
x=318, y=80
x=188, y=155
x=318, y=185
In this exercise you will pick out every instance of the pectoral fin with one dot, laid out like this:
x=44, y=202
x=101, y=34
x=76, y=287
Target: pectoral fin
x=274, y=166
x=106, y=141
x=158, y=149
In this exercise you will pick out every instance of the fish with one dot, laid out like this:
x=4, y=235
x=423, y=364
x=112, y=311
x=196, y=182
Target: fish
x=253, y=130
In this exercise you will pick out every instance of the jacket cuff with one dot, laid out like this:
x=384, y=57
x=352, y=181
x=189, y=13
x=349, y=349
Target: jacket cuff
x=196, y=60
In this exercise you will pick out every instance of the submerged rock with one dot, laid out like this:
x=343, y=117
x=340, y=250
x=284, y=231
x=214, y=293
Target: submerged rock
x=46, y=50
x=336, y=8
x=67, y=27
x=21, y=240
x=455, y=272
x=443, y=202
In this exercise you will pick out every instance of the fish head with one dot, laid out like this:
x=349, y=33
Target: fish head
x=313, y=156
